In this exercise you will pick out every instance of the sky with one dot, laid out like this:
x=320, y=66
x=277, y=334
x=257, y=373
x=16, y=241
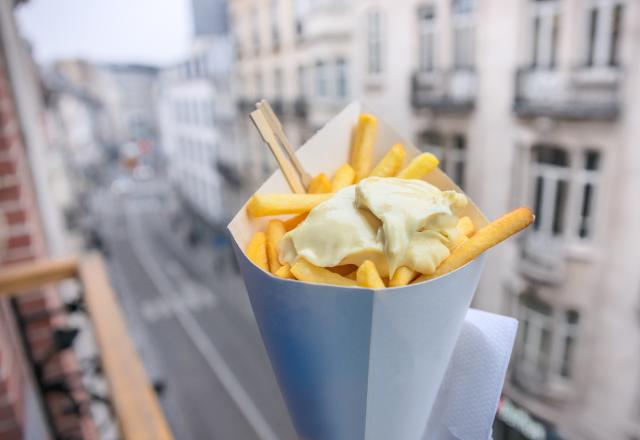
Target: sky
x=140, y=31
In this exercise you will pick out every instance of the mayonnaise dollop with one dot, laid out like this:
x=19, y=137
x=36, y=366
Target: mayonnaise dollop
x=392, y=222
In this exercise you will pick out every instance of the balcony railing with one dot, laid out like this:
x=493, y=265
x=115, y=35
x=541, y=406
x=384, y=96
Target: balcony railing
x=582, y=94
x=328, y=20
x=245, y=105
x=135, y=404
x=300, y=107
x=542, y=260
x=278, y=106
x=449, y=91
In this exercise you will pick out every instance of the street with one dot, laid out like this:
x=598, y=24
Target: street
x=191, y=320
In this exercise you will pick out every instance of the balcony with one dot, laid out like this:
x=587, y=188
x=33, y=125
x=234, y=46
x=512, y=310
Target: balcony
x=447, y=91
x=245, y=105
x=300, y=107
x=278, y=107
x=129, y=394
x=328, y=20
x=542, y=260
x=581, y=94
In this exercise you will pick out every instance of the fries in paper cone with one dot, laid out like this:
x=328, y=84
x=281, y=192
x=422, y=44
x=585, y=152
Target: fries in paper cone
x=354, y=358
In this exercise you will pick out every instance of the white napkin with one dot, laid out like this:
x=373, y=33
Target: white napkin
x=469, y=394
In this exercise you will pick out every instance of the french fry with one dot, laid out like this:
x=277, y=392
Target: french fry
x=305, y=271
x=419, y=167
x=368, y=276
x=285, y=272
x=319, y=184
x=343, y=270
x=275, y=231
x=257, y=250
x=390, y=163
x=363, y=142
x=485, y=238
x=466, y=226
x=344, y=177
x=293, y=222
x=402, y=276
x=262, y=205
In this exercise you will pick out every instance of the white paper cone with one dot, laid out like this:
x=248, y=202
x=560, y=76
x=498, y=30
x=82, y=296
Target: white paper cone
x=356, y=363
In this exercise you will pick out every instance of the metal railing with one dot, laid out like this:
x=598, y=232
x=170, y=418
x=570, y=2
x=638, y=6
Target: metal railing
x=452, y=90
x=579, y=94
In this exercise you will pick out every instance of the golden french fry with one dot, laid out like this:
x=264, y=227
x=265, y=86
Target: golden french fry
x=352, y=275
x=363, y=143
x=390, y=163
x=485, y=238
x=305, y=271
x=368, y=276
x=275, y=231
x=344, y=177
x=257, y=250
x=466, y=227
x=285, y=272
x=319, y=184
x=262, y=205
x=402, y=276
x=343, y=270
x=419, y=167
x=294, y=221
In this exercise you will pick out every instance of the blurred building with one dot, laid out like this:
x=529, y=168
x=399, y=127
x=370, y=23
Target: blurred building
x=197, y=118
x=296, y=54
x=525, y=102
x=127, y=93
x=33, y=228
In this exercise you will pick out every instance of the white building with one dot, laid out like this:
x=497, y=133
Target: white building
x=196, y=115
x=127, y=92
x=526, y=102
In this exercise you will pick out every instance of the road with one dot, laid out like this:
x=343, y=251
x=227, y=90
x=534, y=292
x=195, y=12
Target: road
x=190, y=317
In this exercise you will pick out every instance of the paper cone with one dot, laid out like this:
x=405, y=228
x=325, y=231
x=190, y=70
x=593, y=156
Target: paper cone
x=356, y=363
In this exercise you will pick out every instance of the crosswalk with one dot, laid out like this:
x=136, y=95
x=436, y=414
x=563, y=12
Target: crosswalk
x=191, y=298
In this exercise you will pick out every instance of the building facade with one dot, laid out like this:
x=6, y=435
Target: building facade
x=197, y=115
x=525, y=102
x=32, y=228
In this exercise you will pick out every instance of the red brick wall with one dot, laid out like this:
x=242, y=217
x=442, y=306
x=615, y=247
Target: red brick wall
x=25, y=241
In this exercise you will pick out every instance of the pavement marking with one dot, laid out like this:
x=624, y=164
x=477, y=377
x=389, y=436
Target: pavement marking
x=199, y=337
x=191, y=299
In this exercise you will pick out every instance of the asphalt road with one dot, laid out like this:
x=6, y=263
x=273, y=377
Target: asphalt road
x=191, y=321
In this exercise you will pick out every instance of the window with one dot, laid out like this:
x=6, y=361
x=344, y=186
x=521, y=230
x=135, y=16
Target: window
x=451, y=151
x=255, y=31
x=321, y=79
x=275, y=29
x=559, y=186
x=546, y=341
x=463, y=38
x=604, y=28
x=545, y=33
x=302, y=81
x=258, y=84
x=277, y=83
x=299, y=12
x=374, y=42
x=456, y=158
x=427, y=36
x=342, y=79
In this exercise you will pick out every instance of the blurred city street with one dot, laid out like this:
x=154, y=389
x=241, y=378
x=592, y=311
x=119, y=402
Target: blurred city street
x=192, y=321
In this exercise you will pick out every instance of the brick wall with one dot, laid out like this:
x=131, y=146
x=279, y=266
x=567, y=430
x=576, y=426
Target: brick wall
x=25, y=241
